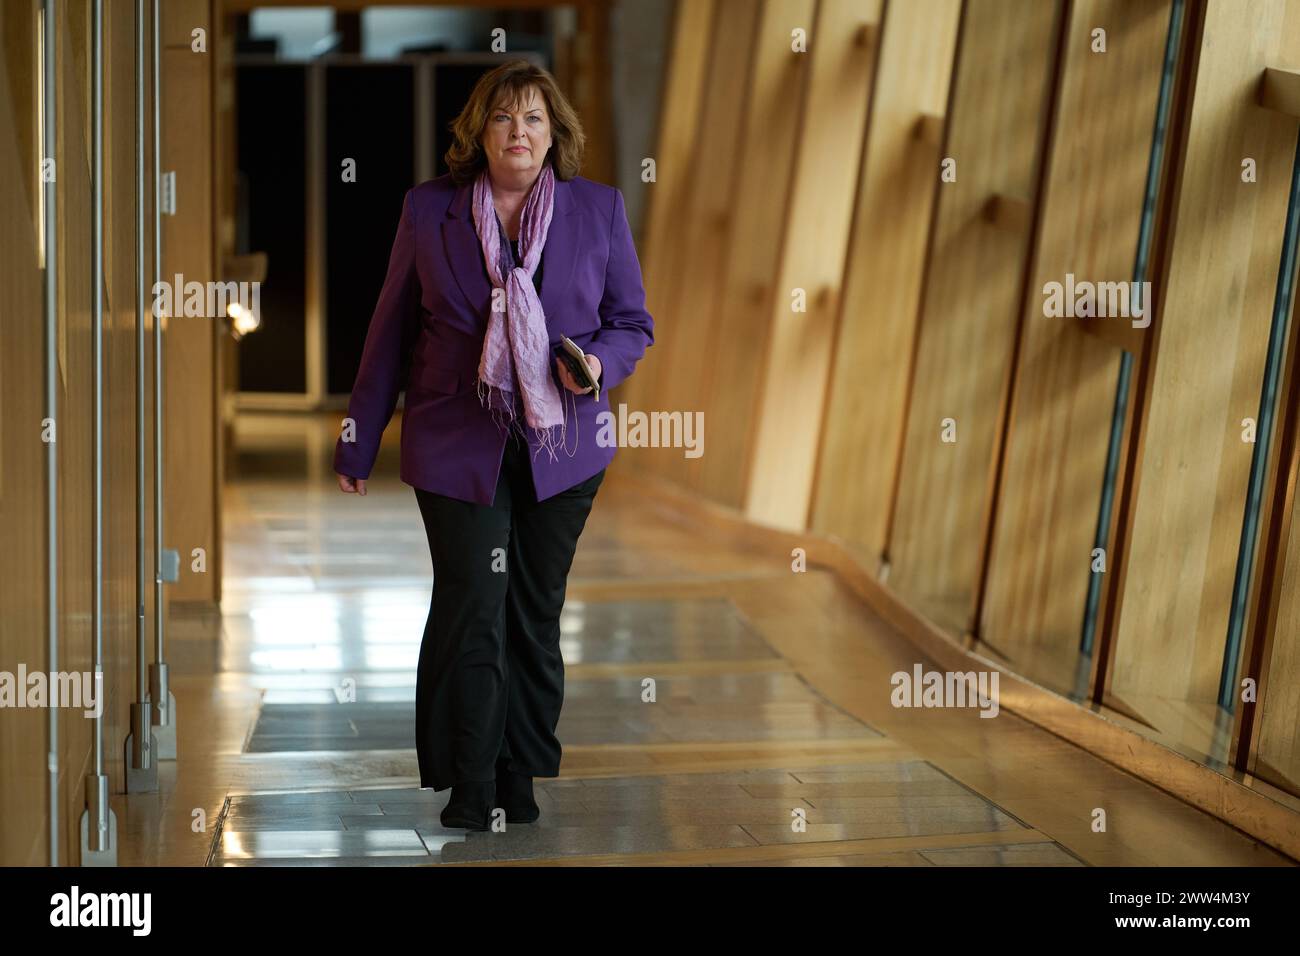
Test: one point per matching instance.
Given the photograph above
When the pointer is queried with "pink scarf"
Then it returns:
(517, 344)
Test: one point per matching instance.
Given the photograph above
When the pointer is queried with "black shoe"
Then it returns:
(470, 806)
(515, 796)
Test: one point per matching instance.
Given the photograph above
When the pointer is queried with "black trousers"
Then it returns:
(490, 679)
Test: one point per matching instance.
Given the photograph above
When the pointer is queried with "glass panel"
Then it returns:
(296, 34)
(1277, 337)
(272, 208)
(1277, 756)
(368, 110)
(388, 32)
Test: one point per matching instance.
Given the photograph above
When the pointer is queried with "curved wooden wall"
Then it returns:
(925, 306)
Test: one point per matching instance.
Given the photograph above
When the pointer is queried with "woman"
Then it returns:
(491, 265)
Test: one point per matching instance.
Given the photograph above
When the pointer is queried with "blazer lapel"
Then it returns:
(465, 253)
(559, 255)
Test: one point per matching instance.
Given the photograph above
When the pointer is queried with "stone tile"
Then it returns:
(304, 844)
(680, 630)
(535, 843)
(286, 801)
(821, 832)
(763, 706)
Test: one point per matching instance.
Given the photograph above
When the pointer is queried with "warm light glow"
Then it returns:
(244, 319)
(294, 659)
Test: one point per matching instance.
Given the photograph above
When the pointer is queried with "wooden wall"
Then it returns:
(190, 399)
(692, 38)
(1187, 522)
(192, 355)
(1065, 381)
(882, 279)
(971, 301)
(742, 240)
(926, 306)
(735, 348)
(22, 455)
(700, 239)
(801, 324)
(23, 735)
(1278, 722)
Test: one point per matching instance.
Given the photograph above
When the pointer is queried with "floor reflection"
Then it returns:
(325, 597)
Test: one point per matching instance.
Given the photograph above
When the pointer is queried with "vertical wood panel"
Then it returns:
(23, 785)
(688, 61)
(705, 224)
(191, 411)
(1066, 380)
(74, 435)
(882, 282)
(1277, 715)
(1209, 365)
(796, 366)
(731, 379)
(971, 302)
(22, 454)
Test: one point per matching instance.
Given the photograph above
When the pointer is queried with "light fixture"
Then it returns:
(250, 269)
(242, 320)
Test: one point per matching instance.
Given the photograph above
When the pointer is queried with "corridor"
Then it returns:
(919, 539)
(770, 740)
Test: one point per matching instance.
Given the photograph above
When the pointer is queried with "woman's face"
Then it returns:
(515, 142)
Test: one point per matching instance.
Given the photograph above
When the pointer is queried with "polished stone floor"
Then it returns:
(689, 707)
(771, 740)
(637, 815)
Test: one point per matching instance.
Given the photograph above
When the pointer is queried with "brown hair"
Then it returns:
(507, 85)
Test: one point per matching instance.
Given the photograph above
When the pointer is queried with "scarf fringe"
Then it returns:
(548, 438)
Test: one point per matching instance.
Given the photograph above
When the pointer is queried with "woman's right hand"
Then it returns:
(353, 486)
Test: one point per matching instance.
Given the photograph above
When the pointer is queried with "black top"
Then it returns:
(537, 276)
(512, 245)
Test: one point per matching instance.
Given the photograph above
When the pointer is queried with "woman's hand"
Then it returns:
(353, 486)
(567, 377)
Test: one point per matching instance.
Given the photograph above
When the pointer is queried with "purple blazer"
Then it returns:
(426, 336)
